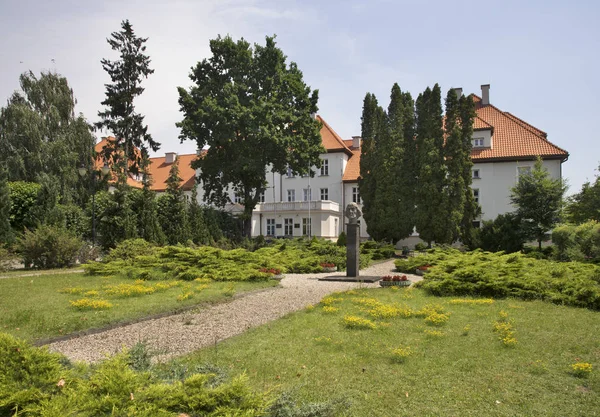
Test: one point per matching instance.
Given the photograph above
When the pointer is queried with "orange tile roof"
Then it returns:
(331, 140)
(512, 137)
(352, 171)
(159, 170)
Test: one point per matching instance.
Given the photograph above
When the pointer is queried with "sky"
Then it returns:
(541, 58)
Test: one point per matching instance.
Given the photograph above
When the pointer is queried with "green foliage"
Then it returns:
(23, 197)
(342, 240)
(585, 205)
(538, 199)
(132, 139)
(145, 206)
(577, 242)
(5, 206)
(431, 198)
(116, 220)
(173, 214)
(42, 136)
(512, 275)
(35, 382)
(253, 110)
(198, 230)
(138, 260)
(504, 233)
(49, 247)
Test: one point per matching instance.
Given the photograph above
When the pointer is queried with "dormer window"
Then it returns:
(478, 143)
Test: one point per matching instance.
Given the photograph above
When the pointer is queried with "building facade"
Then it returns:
(504, 147)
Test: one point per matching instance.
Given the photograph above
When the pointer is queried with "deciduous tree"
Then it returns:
(253, 110)
(585, 205)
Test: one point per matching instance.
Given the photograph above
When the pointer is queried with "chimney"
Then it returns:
(170, 157)
(485, 94)
(356, 142)
(458, 92)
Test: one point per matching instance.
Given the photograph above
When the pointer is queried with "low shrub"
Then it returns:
(577, 242)
(35, 382)
(49, 247)
(499, 275)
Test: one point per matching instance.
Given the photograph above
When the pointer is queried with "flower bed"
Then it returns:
(395, 280)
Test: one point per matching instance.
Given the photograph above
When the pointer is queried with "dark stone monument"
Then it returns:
(353, 240)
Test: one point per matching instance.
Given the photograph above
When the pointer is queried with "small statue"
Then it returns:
(353, 212)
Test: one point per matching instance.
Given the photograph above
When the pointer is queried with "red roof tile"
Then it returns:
(352, 171)
(331, 140)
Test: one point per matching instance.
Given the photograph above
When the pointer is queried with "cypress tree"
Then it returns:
(148, 224)
(471, 207)
(367, 183)
(431, 170)
(5, 203)
(455, 181)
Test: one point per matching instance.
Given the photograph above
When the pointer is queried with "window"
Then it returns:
(306, 194)
(325, 167)
(270, 227)
(324, 194)
(476, 173)
(288, 227)
(261, 197)
(478, 142)
(306, 227)
(237, 199)
(355, 195)
(335, 226)
(476, 224)
(523, 171)
(476, 194)
(290, 174)
(291, 195)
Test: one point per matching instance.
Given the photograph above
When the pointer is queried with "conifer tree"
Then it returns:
(198, 229)
(367, 182)
(173, 213)
(5, 229)
(471, 208)
(132, 139)
(431, 170)
(148, 225)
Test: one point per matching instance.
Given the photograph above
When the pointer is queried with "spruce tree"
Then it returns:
(132, 139)
(430, 197)
(5, 229)
(468, 234)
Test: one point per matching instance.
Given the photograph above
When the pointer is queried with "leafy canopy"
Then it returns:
(253, 111)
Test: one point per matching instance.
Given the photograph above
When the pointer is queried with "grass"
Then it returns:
(40, 307)
(411, 366)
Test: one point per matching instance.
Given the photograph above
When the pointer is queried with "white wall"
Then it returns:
(496, 180)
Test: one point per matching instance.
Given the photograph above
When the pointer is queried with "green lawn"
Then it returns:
(462, 372)
(34, 308)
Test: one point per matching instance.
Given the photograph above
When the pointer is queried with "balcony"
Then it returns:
(326, 205)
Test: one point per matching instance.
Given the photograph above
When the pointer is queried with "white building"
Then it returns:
(503, 147)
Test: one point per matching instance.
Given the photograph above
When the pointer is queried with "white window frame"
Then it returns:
(523, 170)
(291, 195)
(261, 197)
(476, 174)
(288, 226)
(237, 199)
(355, 195)
(478, 142)
(306, 194)
(324, 194)
(306, 226)
(325, 167)
(476, 195)
(270, 227)
(290, 174)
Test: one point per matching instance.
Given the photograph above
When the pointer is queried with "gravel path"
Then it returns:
(183, 333)
(39, 274)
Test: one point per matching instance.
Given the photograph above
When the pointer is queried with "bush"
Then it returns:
(342, 239)
(505, 233)
(130, 249)
(421, 246)
(23, 198)
(35, 382)
(49, 247)
(501, 275)
(6, 259)
(577, 243)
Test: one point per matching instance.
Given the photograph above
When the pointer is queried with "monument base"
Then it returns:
(342, 278)
(352, 250)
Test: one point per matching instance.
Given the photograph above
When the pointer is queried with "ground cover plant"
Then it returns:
(46, 306)
(138, 259)
(396, 351)
(487, 274)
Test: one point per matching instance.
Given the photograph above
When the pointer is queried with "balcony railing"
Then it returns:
(298, 206)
